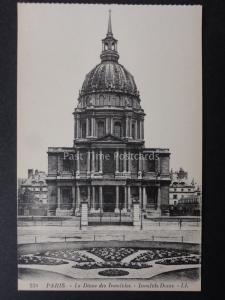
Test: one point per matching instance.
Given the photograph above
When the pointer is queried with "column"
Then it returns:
(78, 126)
(107, 125)
(158, 165)
(127, 127)
(100, 197)
(129, 161)
(140, 196)
(125, 161)
(125, 198)
(92, 126)
(136, 128)
(100, 163)
(117, 199)
(75, 127)
(159, 198)
(140, 161)
(93, 198)
(117, 160)
(87, 127)
(140, 128)
(88, 161)
(78, 198)
(74, 197)
(78, 162)
(129, 197)
(111, 125)
(89, 195)
(58, 197)
(58, 161)
(139, 165)
(144, 198)
(93, 162)
(130, 127)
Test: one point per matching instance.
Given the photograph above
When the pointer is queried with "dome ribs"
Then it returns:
(109, 76)
(101, 81)
(117, 78)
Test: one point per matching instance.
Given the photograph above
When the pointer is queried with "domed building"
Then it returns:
(108, 174)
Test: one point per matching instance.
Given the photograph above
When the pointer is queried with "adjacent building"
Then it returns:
(32, 194)
(185, 195)
(108, 165)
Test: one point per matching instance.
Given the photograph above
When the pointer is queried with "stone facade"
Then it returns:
(32, 194)
(108, 166)
(181, 187)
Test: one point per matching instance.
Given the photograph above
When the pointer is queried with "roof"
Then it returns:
(109, 76)
(36, 180)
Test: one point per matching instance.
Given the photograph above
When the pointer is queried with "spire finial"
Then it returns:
(109, 25)
(109, 44)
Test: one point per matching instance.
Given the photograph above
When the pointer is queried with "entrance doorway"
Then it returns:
(109, 198)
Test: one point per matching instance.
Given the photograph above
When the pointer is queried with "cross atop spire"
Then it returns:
(109, 33)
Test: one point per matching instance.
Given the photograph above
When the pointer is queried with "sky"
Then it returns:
(58, 44)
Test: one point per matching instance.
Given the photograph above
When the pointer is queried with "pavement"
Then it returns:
(170, 232)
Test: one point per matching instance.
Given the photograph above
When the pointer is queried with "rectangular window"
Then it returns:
(66, 165)
(151, 165)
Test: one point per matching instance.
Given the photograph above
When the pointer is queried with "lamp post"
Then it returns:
(100, 214)
(141, 212)
(80, 217)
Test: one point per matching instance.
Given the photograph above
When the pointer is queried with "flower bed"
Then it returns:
(36, 260)
(111, 264)
(68, 254)
(154, 254)
(112, 254)
(180, 260)
(113, 272)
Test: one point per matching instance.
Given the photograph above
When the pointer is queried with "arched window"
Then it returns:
(101, 128)
(106, 46)
(117, 129)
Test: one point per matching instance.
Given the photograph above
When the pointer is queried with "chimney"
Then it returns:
(36, 172)
(30, 172)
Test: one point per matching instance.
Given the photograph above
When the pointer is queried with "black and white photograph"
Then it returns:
(109, 155)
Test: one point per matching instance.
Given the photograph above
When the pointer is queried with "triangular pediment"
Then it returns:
(109, 138)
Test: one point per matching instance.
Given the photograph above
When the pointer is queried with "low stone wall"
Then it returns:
(42, 247)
